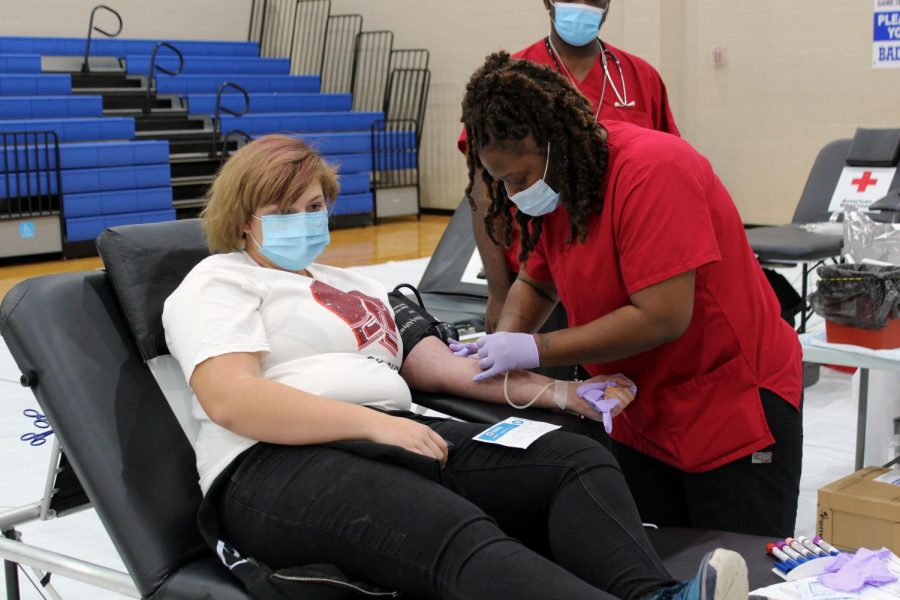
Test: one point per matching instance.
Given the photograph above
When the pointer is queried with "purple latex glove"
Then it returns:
(462, 349)
(504, 351)
(595, 395)
(849, 573)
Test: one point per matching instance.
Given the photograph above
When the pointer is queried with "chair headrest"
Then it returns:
(875, 148)
(146, 263)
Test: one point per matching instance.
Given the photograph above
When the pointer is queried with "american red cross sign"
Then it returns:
(861, 186)
(862, 183)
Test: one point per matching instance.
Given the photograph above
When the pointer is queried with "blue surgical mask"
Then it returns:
(539, 199)
(577, 24)
(292, 242)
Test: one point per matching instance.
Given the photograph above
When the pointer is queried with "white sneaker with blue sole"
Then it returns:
(722, 575)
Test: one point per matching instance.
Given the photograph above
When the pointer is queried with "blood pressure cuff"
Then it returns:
(413, 321)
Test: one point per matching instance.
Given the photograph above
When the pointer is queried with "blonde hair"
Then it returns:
(274, 169)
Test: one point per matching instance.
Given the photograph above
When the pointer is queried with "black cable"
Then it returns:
(414, 291)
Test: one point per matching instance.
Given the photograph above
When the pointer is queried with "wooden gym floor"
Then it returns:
(400, 238)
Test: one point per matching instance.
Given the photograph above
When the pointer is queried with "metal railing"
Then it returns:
(240, 134)
(151, 75)
(407, 97)
(340, 41)
(294, 29)
(30, 174)
(410, 58)
(371, 65)
(86, 66)
(395, 153)
(221, 108)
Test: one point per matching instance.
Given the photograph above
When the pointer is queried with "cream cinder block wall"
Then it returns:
(798, 75)
(171, 19)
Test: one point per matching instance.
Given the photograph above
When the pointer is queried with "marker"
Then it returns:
(791, 552)
(798, 547)
(812, 547)
(825, 546)
(784, 558)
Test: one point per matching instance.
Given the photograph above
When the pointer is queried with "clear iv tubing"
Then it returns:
(559, 393)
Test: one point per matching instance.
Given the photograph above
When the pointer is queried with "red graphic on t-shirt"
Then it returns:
(368, 317)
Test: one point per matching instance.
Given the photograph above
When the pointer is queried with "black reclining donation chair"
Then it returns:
(792, 243)
(83, 342)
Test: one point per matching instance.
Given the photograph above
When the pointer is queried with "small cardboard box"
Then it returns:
(859, 511)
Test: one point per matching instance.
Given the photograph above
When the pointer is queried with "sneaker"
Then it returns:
(722, 576)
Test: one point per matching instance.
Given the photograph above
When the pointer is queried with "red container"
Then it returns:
(877, 339)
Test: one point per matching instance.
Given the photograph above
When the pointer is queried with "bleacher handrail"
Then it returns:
(240, 134)
(86, 67)
(151, 74)
(217, 117)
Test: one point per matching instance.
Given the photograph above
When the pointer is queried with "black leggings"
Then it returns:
(756, 494)
(553, 521)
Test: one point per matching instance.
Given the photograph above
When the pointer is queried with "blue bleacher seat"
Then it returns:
(312, 122)
(71, 130)
(202, 65)
(352, 204)
(88, 228)
(119, 201)
(86, 155)
(350, 163)
(184, 85)
(355, 142)
(205, 104)
(14, 84)
(355, 183)
(20, 63)
(116, 178)
(50, 107)
(120, 48)
(77, 130)
(75, 181)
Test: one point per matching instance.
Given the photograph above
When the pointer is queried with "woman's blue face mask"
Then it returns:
(577, 24)
(292, 242)
(539, 199)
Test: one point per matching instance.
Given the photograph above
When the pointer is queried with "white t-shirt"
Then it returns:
(333, 335)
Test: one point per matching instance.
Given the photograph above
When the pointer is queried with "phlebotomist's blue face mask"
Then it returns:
(539, 199)
(292, 242)
(577, 24)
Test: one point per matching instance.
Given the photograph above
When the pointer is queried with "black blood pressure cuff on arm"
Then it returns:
(413, 321)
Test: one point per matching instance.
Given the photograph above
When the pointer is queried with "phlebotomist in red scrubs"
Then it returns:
(633, 231)
(619, 85)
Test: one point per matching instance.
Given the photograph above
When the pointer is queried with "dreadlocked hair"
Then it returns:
(506, 101)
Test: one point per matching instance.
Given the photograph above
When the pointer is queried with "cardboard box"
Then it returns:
(858, 511)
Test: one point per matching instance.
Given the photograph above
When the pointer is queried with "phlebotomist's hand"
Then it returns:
(504, 351)
(608, 396)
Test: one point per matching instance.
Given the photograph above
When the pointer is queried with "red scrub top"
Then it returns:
(643, 84)
(666, 212)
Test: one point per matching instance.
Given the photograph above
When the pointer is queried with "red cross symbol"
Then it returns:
(862, 183)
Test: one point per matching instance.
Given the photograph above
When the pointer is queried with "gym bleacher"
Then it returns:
(136, 133)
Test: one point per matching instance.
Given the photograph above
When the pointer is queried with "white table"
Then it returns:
(816, 350)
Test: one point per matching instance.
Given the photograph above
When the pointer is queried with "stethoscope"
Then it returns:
(621, 98)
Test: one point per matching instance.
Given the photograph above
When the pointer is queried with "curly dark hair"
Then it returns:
(506, 101)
